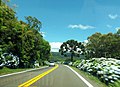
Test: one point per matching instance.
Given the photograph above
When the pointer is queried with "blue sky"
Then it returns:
(71, 19)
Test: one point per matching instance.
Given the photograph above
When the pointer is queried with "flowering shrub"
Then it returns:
(106, 69)
(76, 63)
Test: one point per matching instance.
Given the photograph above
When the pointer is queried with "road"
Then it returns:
(15, 80)
(60, 77)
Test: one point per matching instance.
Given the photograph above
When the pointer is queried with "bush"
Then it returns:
(76, 63)
(106, 69)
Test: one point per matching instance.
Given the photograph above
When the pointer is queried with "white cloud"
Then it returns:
(15, 6)
(109, 26)
(112, 16)
(43, 34)
(86, 41)
(117, 28)
(80, 26)
(55, 46)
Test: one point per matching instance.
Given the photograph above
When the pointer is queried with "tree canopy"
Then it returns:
(73, 47)
(22, 39)
(104, 45)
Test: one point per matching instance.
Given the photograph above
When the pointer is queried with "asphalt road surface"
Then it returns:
(60, 77)
(15, 80)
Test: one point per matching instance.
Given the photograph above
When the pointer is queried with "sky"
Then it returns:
(63, 20)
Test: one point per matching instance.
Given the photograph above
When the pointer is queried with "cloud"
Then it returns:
(55, 46)
(86, 41)
(80, 26)
(15, 6)
(109, 26)
(112, 16)
(117, 28)
(43, 34)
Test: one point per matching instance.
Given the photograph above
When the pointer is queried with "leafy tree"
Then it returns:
(46, 50)
(118, 32)
(34, 47)
(92, 45)
(73, 47)
(22, 39)
(8, 22)
(103, 45)
(33, 23)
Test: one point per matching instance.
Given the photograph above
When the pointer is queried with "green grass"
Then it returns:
(8, 71)
(92, 79)
(115, 84)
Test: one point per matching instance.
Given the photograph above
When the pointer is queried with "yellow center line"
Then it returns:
(33, 80)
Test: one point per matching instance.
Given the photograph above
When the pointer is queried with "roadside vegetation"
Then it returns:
(23, 46)
(107, 70)
(100, 56)
(72, 48)
(21, 43)
(92, 79)
(6, 70)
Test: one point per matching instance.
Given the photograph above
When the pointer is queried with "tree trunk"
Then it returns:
(71, 57)
(21, 65)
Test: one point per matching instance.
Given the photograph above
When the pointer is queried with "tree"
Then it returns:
(33, 23)
(93, 44)
(103, 45)
(73, 47)
(118, 32)
(21, 39)
(8, 24)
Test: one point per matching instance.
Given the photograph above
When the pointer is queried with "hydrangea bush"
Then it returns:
(106, 69)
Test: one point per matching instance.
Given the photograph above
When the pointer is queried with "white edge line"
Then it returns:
(85, 81)
(22, 72)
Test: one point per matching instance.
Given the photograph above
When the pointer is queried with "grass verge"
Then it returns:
(94, 80)
(115, 84)
(6, 70)
(90, 78)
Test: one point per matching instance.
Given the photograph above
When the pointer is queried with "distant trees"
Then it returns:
(21, 39)
(99, 45)
(104, 45)
(118, 32)
(72, 47)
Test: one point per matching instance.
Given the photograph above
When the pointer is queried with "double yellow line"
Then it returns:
(33, 80)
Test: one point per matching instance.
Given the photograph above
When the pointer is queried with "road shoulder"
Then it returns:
(84, 80)
(93, 80)
(23, 71)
